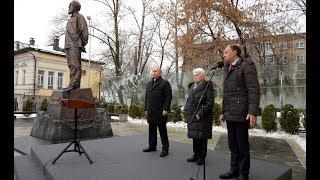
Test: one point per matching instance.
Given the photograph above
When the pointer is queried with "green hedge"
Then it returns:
(268, 118)
(289, 120)
(175, 114)
(217, 111)
(27, 106)
(43, 105)
(136, 110)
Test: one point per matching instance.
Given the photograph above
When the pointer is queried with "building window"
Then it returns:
(269, 59)
(299, 44)
(283, 45)
(24, 77)
(283, 60)
(300, 75)
(266, 46)
(60, 80)
(50, 79)
(299, 59)
(17, 77)
(40, 79)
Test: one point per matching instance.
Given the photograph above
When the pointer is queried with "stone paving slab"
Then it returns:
(22, 127)
(271, 150)
(26, 168)
(122, 158)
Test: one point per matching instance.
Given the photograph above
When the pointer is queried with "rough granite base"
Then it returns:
(46, 127)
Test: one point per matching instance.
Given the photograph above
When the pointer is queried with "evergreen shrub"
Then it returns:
(289, 120)
(269, 118)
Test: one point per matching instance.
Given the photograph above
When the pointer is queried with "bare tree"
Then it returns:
(145, 35)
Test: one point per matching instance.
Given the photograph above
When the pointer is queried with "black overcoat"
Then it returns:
(158, 98)
(195, 127)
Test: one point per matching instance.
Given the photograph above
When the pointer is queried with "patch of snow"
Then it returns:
(301, 141)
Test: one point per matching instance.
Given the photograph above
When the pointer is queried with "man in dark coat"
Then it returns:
(76, 38)
(241, 98)
(157, 105)
(199, 122)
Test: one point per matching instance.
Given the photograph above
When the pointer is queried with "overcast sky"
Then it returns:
(33, 18)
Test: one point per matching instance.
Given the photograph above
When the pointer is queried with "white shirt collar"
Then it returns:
(234, 62)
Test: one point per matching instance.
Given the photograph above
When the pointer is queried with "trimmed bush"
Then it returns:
(141, 110)
(100, 104)
(268, 118)
(289, 120)
(27, 106)
(175, 114)
(117, 108)
(111, 107)
(124, 109)
(43, 105)
(136, 110)
(217, 111)
(121, 108)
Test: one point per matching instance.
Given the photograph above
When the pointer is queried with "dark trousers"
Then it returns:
(163, 134)
(199, 150)
(238, 139)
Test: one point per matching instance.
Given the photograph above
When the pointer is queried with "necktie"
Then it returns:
(230, 66)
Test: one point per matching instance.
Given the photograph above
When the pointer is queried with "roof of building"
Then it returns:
(27, 47)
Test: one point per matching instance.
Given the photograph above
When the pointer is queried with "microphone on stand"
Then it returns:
(219, 64)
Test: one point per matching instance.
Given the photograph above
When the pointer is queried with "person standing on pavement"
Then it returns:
(241, 98)
(202, 121)
(158, 99)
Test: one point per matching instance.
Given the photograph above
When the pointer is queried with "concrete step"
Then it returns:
(27, 168)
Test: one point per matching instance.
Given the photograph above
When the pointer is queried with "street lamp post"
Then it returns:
(89, 19)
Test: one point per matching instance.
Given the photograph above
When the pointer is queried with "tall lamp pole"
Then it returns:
(89, 19)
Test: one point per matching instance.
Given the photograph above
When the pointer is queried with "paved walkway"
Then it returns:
(280, 151)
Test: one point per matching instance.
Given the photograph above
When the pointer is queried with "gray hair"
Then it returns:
(199, 71)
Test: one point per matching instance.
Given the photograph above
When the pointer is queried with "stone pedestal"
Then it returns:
(57, 123)
(85, 115)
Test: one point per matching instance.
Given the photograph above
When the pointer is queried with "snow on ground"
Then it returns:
(252, 132)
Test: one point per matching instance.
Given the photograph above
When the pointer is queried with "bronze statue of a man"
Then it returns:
(76, 38)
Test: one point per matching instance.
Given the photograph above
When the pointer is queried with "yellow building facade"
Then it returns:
(38, 72)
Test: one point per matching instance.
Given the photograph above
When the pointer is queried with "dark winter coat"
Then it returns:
(158, 98)
(195, 127)
(241, 91)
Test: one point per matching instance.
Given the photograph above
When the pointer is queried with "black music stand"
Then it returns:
(74, 103)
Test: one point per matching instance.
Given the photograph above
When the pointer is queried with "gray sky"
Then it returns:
(32, 18)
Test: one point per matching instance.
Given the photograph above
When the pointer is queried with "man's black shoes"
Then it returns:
(192, 159)
(149, 149)
(229, 175)
(164, 153)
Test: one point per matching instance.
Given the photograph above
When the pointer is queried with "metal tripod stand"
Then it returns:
(77, 146)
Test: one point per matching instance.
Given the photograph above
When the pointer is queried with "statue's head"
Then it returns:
(74, 6)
